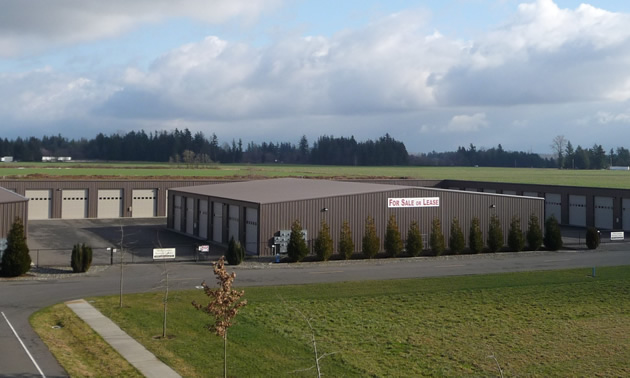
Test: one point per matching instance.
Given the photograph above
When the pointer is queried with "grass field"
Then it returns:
(589, 178)
(561, 323)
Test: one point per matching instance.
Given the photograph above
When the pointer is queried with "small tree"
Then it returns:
(534, 233)
(436, 240)
(235, 252)
(371, 242)
(516, 241)
(16, 259)
(592, 238)
(81, 258)
(475, 238)
(393, 242)
(495, 234)
(346, 245)
(323, 243)
(456, 241)
(297, 248)
(224, 305)
(553, 236)
(413, 245)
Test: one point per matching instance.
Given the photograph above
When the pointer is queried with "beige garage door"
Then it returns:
(74, 203)
(39, 204)
(144, 203)
(109, 203)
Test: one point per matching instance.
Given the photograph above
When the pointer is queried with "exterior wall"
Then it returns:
(9, 211)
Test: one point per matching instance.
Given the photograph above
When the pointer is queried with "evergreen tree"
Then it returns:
(516, 241)
(436, 240)
(553, 236)
(393, 241)
(16, 259)
(413, 245)
(456, 241)
(592, 238)
(534, 233)
(371, 242)
(495, 234)
(346, 245)
(81, 258)
(235, 252)
(323, 243)
(297, 248)
(475, 238)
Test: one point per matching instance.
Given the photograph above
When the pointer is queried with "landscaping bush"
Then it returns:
(371, 242)
(323, 243)
(393, 242)
(516, 241)
(81, 258)
(592, 238)
(553, 236)
(534, 233)
(16, 259)
(413, 245)
(235, 252)
(495, 234)
(297, 249)
(456, 241)
(346, 245)
(475, 238)
(436, 240)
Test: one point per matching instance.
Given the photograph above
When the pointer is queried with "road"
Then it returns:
(19, 299)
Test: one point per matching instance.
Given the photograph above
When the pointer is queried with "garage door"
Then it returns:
(577, 210)
(177, 213)
(203, 219)
(604, 213)
(217, 222)
(39, 204)
(626, 214)
(143, 203)
(74, 203)
(553, 206)
(234, 222)
(109, 203)
(190, 216)
(251, 230)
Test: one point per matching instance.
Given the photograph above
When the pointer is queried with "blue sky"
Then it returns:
(433, 74)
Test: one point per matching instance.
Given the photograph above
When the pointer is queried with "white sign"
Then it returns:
(414, 202)
(163, 253)
(204, 248)
(616, 235)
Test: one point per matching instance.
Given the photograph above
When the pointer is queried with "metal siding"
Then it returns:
(251, 230)
(9, 212)
(625, 214)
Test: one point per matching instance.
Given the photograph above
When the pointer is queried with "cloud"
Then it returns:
(608, 117)
(467, 123)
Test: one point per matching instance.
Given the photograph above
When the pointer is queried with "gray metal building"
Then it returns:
(255, 212)
(12, 206)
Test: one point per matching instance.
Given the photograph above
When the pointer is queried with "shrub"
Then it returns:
(16, 259)
(592, 238)
(516, 241)
(81, 258)
(553, 236)
(323, 243)
(235, 252)
(393, 242)
(346, 245)
(534, 233)
(436, 240)
(495, 234)
(297, 248)
(371, 242)
(456, 241)
(475, 238)
(413, 245)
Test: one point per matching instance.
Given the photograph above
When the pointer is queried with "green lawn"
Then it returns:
(590, 178)
(561, 323)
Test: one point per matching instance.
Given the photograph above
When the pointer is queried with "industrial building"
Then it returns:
(12, 206)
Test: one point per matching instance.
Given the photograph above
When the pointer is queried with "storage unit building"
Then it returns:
(12, 206)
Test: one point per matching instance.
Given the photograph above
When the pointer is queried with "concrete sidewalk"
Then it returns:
(130, 349)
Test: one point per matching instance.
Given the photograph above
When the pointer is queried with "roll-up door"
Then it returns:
(39, 204)
(109, 203)
(251, 230)
(577, 210)
(625, 214)
(143, 203)
(553, 206)
(203, 219)
(74, 203)
(234, 222)
(217, 222)
(604, 213)
(190, 216)
(177, 213)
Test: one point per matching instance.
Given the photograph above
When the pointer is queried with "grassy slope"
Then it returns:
(541, 323)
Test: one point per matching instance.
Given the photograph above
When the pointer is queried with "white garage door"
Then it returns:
(74, 203)
(577, 210)
(109, 203)
(217, 222)
(553, 206)
(625, 211)
(177, 213)
(143, 203)
(251, 230)
(234, 222)
(190, 216)
(39, 204)
(604, 213)
(203, 219)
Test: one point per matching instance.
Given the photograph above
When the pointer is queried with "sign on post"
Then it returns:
(163, 253)
(204, 248)
(617, 235)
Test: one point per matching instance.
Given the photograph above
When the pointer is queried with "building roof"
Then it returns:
(286, 189)
(7, 196)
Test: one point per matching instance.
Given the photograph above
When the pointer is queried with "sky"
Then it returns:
(434, 74)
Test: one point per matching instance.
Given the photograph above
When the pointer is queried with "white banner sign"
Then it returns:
(414, 202)
(617, 235)
(163, 253)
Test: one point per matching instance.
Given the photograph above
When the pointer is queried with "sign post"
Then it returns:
(163, 253)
